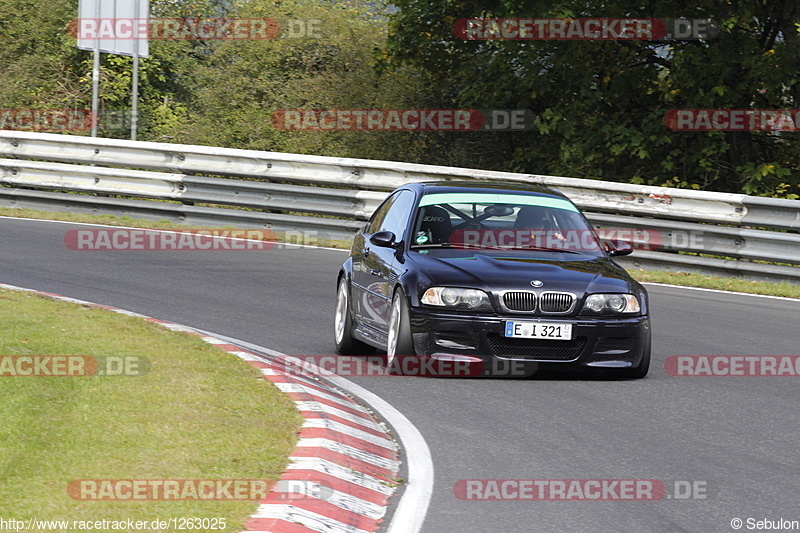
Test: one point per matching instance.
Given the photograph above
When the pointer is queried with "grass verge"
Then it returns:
(197, 413)
(129, 222)
(655, 276)
(787, 290)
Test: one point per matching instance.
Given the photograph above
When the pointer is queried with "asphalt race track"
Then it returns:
(734, 437)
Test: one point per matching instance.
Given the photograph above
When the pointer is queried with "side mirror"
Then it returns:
(384, 239)
(617, 248)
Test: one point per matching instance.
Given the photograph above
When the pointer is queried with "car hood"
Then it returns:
(490, 271)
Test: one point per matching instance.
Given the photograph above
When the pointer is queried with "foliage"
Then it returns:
(601, 104)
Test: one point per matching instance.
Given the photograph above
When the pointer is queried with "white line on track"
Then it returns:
(413, 506)
(343, 250)
(188, 228)
(721, 291)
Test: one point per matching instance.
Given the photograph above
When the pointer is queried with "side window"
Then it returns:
(380, 215)
(396, 219)
(392, 215)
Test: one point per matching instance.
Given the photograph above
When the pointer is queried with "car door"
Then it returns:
(372, 265)
(364, 281)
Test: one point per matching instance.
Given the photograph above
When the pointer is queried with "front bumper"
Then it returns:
(605, 342)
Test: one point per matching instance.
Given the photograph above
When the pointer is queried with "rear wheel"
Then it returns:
(400, 341)
(343, 324)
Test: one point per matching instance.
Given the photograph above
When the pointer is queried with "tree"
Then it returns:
(41, 67)
(325, 57)
(601, 103)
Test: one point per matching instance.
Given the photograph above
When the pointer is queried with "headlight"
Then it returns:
(611, 304)
(456, 298)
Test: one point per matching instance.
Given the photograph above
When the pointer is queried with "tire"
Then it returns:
(400, 341)
(343, 324)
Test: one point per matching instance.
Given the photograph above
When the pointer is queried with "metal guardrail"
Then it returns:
(331, 196)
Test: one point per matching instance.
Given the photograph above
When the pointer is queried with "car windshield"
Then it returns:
(501, 221)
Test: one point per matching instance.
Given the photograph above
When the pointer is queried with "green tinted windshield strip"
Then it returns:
(483, 198)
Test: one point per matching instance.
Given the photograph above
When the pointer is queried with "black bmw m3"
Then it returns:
(490, 273)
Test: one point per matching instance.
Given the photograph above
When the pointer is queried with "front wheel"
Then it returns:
(400, 341)
(343, 324)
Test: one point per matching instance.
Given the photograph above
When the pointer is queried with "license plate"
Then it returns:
(539, 330)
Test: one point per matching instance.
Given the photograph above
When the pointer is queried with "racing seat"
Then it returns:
(435, 225)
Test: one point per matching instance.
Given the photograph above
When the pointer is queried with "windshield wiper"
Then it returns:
(545, 249)
(479, 248)
(526, 248)
(431, 245)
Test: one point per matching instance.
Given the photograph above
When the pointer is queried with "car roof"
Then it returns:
(491, 187)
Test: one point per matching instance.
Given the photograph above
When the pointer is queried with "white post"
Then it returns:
(96, 72)
(135, 79)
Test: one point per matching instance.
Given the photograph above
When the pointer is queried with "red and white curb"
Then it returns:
(343, 470)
